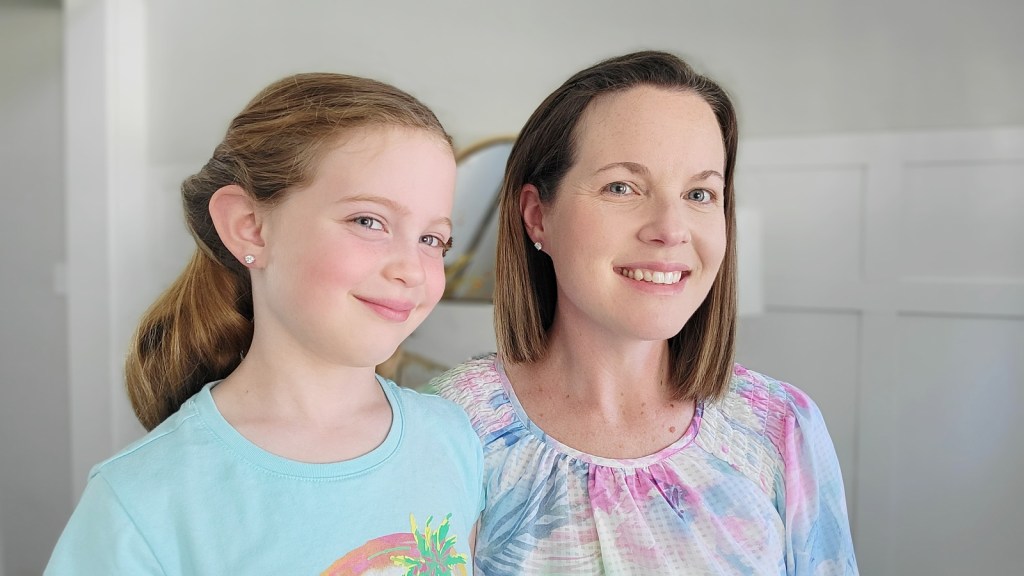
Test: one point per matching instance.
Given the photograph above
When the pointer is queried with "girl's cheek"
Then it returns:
(436, 280)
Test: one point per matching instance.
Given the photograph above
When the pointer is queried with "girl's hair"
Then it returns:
(200, 328)
(525, 293)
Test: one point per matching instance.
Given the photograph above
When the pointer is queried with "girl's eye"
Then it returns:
(369, 222)
(619, 189)
(700, 195)
(436, 242)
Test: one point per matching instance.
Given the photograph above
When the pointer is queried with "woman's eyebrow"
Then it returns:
(633, 167)
(641, 170)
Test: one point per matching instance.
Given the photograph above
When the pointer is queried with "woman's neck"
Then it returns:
(602, 396)
(597, 368)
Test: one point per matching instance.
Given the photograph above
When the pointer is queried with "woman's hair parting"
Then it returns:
(525, 290)
(201, 327)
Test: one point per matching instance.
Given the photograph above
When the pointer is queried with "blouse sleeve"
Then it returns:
(101, 539)
(818, 536)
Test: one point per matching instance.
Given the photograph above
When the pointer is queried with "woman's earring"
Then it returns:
(538, 245)
(249, 259)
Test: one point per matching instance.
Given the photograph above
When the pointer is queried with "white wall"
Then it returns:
(895, 296)
(34, 440)
(795, 68)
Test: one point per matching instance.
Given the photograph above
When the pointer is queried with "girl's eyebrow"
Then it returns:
(390, 203)
(382, 200)
(641, 170)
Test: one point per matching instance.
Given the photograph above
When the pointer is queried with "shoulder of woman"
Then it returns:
(757, 423)
(476, 386)
(469, 382)
(778, 408)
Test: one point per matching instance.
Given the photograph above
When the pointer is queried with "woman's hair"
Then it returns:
(525, 290)
(200, 328)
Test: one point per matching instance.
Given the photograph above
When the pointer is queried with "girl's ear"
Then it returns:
(238, 223)
(531, 209)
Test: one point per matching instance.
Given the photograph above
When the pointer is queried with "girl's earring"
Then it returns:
(538, 245)
(249, 259)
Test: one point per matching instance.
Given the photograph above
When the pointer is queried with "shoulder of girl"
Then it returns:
(430, 403)
(156, 449)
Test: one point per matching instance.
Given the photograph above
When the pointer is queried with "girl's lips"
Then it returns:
(391, 310)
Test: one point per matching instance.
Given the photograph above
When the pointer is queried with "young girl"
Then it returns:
(320, 224)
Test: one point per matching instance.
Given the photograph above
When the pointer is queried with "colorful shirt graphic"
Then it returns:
(752, 487)
(430, 553)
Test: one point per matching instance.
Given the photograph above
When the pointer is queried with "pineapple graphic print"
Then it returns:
(427, 553)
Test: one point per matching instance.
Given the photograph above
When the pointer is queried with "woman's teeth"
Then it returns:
(652, 276)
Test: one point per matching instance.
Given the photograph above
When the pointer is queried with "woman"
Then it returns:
(619, 437)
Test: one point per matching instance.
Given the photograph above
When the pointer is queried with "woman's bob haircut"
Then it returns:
(525, 294)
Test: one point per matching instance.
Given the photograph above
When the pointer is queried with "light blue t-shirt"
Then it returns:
(195, 497)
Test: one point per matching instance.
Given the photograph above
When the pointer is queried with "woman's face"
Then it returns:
(637, 229)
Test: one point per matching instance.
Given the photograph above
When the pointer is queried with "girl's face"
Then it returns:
(353, 261)
(637, 229)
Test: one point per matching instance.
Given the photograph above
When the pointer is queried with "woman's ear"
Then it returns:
(238, 223)
(531, 209)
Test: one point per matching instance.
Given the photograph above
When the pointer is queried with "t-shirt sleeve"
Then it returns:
(471, 447)
(818, 535)
(101, 538)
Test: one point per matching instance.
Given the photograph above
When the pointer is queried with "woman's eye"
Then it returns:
(619, 188)
(701, 195)
(369, 222)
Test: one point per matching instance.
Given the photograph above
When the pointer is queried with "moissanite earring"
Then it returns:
(538, 245)
(249, 259)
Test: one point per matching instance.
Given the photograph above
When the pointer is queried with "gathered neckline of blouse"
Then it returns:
(675, 447)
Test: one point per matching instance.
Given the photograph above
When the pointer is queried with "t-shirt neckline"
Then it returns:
(234, 442)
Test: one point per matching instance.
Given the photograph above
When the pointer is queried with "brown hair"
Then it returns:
(198, 330)
(702, 352)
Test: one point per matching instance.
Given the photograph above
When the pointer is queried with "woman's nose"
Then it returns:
(667, 223)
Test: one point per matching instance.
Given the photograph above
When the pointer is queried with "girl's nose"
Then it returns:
(405, 265)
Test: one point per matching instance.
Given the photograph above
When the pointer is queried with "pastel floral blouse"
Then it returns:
(752, 487)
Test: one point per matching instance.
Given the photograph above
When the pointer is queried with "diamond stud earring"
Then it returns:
(249, 259)
(538, 245)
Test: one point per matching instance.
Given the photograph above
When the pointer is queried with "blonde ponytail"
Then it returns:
(196, 332)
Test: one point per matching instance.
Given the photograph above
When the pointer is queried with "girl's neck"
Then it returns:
(272, 389)
(302, 408)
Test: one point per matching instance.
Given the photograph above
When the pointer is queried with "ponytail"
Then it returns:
(196, 332)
